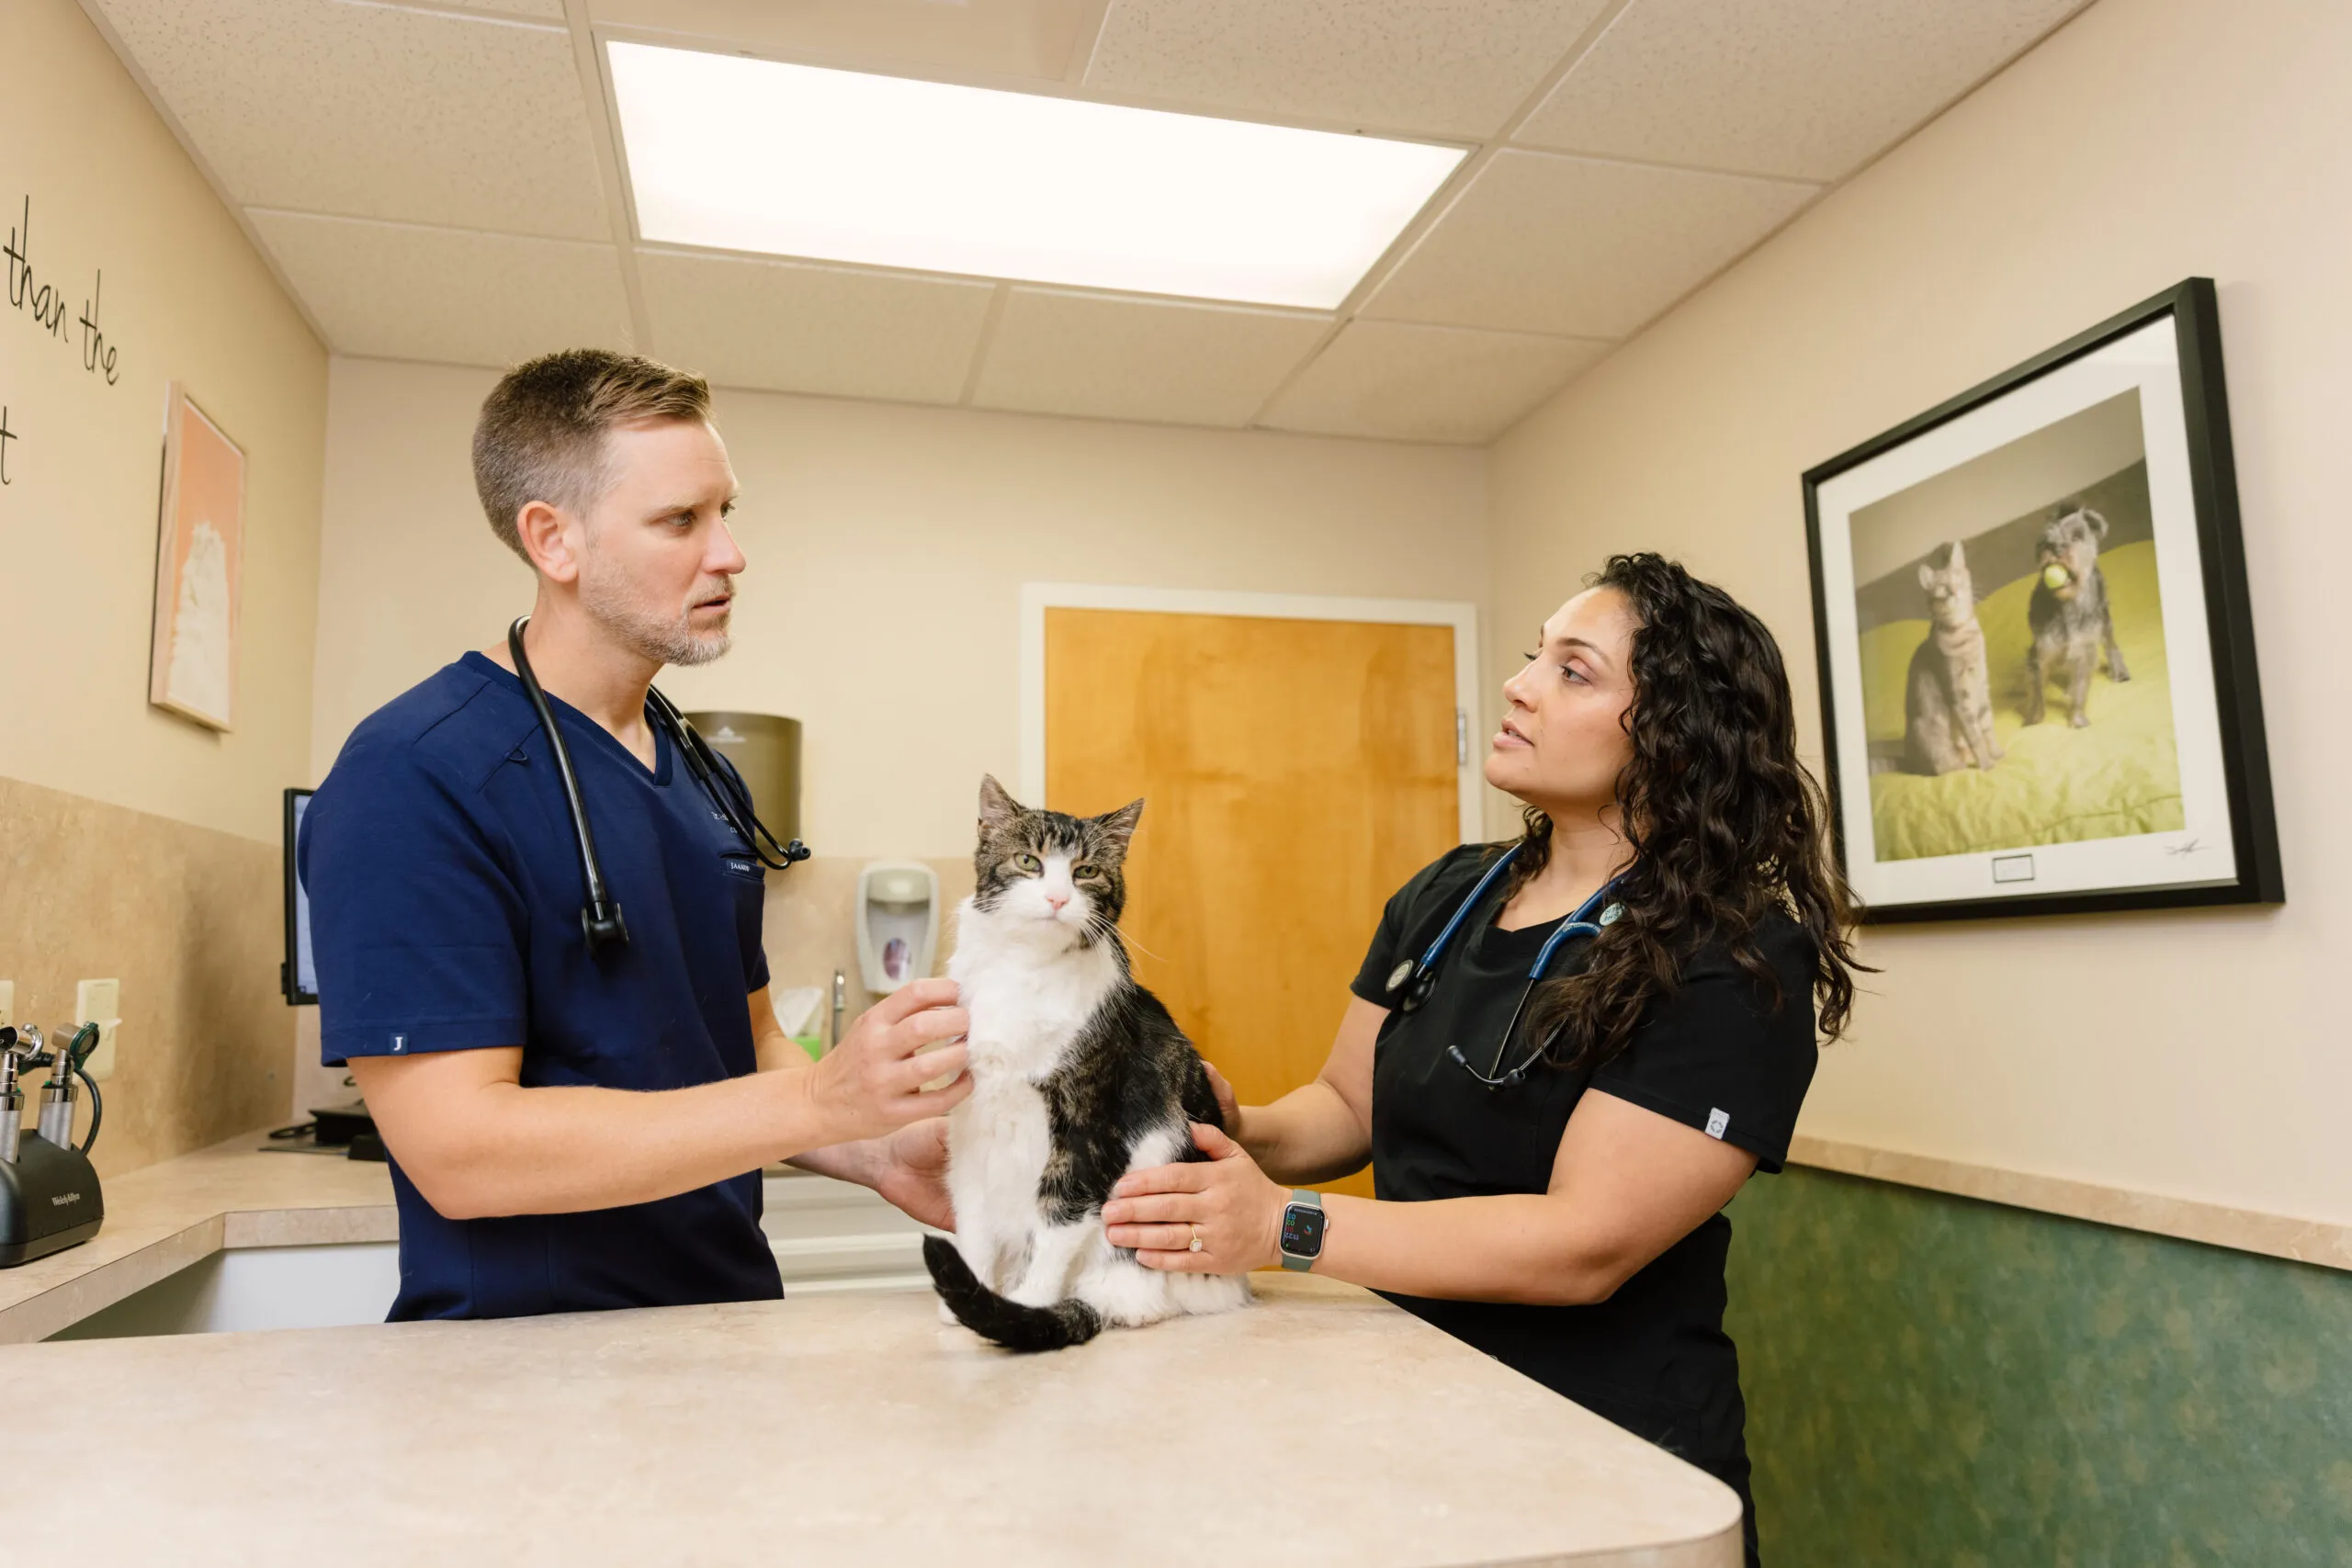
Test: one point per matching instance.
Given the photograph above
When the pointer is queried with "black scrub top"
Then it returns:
(1654, 1357)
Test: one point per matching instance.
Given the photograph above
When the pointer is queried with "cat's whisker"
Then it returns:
(1110, 929)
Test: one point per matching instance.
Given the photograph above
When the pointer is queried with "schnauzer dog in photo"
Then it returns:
(2071, 621)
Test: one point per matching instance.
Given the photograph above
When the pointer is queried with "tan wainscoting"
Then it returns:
(2276, 1235)
(191, 920)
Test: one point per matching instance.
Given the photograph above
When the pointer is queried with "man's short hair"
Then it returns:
(541, 435)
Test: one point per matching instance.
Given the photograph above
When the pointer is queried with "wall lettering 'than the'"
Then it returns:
(35, 302)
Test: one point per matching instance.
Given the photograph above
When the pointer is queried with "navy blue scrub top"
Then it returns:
(444, 907)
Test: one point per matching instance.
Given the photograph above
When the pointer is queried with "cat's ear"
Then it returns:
(1927, 576)
(2098, 524)
(1958, 561)
(998, 809)
(1116, 829)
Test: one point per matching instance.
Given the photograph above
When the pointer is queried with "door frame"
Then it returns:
(1036, 598)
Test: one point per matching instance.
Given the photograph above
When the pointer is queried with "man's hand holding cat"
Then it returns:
(1234, 1208)
(911, 1172)
(870, 1084)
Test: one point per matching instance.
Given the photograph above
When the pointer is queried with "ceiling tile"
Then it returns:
(1400, 381)
(798, 327)
(1446, 67)
(1804, 88)
(374, 111)
(401, 292)
(550, 9)
(1021, 37)
(1121, 358)
(1541, 242)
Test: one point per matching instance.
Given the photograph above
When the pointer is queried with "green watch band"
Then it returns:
(1304, 1226)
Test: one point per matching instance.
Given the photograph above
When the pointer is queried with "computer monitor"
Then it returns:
(296, 976)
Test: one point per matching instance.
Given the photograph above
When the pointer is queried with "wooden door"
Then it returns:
(1295, 774)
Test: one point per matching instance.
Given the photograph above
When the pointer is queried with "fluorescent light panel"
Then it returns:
(791, 159)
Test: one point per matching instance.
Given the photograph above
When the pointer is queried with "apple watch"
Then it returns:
(1304, 1223)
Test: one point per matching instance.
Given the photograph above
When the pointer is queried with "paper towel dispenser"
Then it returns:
(766, 749)
(898, 923)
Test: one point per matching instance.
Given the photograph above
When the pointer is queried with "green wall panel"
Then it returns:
(1933, 1381)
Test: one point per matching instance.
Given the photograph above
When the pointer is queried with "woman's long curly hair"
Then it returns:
(1724, 823)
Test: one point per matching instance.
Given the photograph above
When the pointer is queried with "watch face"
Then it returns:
(1303, 1231)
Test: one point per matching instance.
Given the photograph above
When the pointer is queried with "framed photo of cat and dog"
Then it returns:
(2038, 679)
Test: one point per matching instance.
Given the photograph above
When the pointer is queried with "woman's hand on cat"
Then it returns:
(1228, 1107)
(1234, 1208)
(871, 1084)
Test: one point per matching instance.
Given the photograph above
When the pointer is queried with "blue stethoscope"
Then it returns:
(1412, 981)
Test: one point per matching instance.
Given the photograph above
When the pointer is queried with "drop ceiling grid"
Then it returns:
(1802, 89)
(369, 111)
(814, 327)
(1455, 68)
(1403, 380)
(460, 296)
(1580, 247)
(475, 125)
(1076, 352)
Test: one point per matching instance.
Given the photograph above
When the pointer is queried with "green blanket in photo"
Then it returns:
(2055, 785)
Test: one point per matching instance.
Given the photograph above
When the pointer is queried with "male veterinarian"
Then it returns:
(577, 1117)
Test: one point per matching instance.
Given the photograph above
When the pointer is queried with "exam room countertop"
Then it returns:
(161, 1219)
(1321, 1424)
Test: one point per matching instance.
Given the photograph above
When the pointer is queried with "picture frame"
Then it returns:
(2036, 645)
(199, 567)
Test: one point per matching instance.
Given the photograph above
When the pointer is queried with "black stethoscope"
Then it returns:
(600, 917)
(1412, 981)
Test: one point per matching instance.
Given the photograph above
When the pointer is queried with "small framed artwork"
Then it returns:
(2037, 657)
(199, 567)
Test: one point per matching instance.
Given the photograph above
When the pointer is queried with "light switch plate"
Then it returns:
(8, 1003)
(96, 999)
(100, 1065)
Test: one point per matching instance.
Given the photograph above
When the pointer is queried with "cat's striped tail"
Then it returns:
(1008, 1323)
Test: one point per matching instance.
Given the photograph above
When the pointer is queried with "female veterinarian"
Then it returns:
(1563, 1058)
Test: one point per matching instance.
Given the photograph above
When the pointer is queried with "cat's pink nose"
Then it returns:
(1056, 900)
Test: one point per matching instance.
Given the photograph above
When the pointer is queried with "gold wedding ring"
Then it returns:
(1197, 1238)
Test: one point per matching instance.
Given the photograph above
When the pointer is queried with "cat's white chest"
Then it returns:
(1026, 1006)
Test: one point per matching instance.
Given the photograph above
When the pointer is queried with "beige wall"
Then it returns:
(887, 544)
(2197, 1054)
(134, 844)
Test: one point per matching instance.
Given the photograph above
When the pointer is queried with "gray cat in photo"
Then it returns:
(1947, 698)
(2073, 622)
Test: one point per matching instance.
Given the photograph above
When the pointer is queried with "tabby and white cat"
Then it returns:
(1079, 1077)
(1948, 700)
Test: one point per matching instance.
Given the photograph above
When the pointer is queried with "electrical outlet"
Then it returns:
(99, 1002)
(96, 999)
(8, 1003)
(100, 1065)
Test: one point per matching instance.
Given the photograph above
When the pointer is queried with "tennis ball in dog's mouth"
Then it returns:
(2053, 577)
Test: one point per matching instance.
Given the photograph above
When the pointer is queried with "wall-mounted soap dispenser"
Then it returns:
(898, 923)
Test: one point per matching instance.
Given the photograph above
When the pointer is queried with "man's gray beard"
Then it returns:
(664, 642)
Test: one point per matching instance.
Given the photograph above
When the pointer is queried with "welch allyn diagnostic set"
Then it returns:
(49, 1192)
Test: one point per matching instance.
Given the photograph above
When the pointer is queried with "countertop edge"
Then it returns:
(1722, 1549)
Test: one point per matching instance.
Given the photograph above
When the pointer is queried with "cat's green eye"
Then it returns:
(1082, 871)
(1029, 863)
